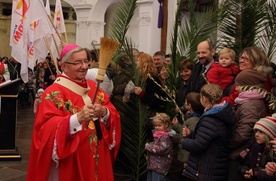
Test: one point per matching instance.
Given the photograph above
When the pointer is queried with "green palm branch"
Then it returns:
(134, 137)
(248, 23)
(189, 32)
(268, 39)
(120, 25)
(198, 27)
(170, 96)
(122, 20)
(174, 38)
(133, 114)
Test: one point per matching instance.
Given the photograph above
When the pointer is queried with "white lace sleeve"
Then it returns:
(129, 89)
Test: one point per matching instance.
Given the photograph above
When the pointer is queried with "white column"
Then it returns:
(172, 8)
(149, 34)
(88, 31)
(83, 24)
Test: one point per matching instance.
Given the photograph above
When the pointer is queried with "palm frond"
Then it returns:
(244, 24)
(188, 32)
(172, 79)
(198, 27)
(133, 113)
(134, 133)
(122, 20)
(134, 137)
(174, 39)
(267, 40)
(170, 96)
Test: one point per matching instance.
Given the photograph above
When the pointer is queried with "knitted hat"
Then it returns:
(250, 77)
(267, 125)
(40, 90)
(66, 49)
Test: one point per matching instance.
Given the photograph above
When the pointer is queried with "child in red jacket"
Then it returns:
(223, 73)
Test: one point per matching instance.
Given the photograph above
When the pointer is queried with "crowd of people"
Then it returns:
(40, 77)
(227, 133)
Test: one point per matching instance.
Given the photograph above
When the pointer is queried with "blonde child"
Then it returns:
(208, 144)
(37, 98)
(257, 156)
(223, 73)
(160, 151)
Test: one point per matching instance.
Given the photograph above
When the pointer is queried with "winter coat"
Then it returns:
(249, 111)
(208, 146)
(120, 81)
(251, 162)
(190, 123)
(196, 79)
(148, 95)
(160, 151)
(181, 92)
(267, 85)
(222, 76)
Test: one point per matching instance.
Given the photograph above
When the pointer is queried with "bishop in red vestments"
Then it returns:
(62, 149)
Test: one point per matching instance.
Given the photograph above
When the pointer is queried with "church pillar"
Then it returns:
(149, 34)
(88, 31)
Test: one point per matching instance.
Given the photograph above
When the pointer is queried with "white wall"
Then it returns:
(94, 18)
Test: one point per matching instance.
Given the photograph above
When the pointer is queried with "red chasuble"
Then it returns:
(82, 157)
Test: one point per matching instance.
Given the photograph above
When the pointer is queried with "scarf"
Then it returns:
(158, 134)
(248, 95)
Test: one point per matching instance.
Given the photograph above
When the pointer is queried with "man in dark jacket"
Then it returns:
(205, 54)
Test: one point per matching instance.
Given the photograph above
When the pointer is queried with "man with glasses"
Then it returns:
(62, 148)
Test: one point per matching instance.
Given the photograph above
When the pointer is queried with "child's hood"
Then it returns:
(223, 113)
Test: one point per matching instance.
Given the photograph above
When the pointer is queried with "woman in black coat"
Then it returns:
(149, 88)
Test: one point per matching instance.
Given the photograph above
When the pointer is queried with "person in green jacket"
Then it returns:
(194, 111)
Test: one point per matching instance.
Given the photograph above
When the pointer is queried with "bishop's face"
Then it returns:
(77, 66)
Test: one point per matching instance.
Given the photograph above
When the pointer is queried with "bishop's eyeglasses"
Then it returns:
(78, 62)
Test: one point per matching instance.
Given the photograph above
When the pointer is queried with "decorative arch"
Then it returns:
(90, 20)
(97, 9)
(100, 9)
(72, 2)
